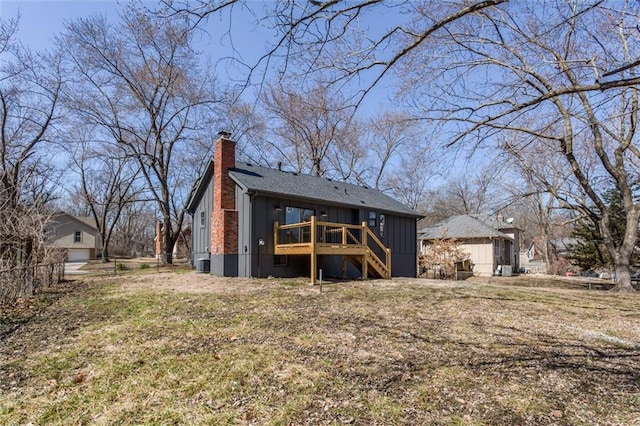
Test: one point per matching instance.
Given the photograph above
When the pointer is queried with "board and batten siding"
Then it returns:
(256, 216)
(399, 236)
(246, 246)
(201, 232)
(265, 213)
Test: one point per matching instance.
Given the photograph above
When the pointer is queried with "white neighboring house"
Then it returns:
(76, 234)
(490, 241)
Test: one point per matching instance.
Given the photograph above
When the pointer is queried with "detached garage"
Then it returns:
(76, 234)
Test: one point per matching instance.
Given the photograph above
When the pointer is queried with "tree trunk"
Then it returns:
(167, 243)
(623, 279)
(104, 254)
(544, 245)
(622, 255)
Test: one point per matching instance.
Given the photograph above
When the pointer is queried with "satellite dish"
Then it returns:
(509, 220)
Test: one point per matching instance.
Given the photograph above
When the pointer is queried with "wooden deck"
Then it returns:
(355, 243)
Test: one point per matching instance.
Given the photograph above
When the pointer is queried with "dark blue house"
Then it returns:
(253, 221)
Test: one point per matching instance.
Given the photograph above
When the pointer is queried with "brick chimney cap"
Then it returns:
(224, 134)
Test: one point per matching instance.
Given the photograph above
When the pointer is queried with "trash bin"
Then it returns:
(202, 265)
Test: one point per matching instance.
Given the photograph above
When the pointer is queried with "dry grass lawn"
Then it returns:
(183, 348)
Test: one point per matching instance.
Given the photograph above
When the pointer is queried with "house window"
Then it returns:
(77, 237)
(372, 219)
(381, 225)
(280, 260)
(496, 248)
(202, 219)
(298, 215)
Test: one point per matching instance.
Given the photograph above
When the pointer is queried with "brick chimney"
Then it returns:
(224, 216)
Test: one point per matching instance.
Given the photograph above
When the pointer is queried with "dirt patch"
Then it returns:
(202, 283)
(191, 282)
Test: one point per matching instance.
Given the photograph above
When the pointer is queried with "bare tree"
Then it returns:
(135, 230)
(348, 159)
(140, 81)
(107, 183)
(29, 95)
(334, 38)
(534, 71)
(410, 181)
(334, 44)
(539, 213)
(442, 255)
(22, 248)
(391, 134)
(307, 125)
(248, 127)
(468, 193)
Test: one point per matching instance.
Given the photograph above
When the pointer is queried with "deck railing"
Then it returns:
(318, 237)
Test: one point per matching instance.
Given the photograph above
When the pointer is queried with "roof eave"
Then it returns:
(204, 180)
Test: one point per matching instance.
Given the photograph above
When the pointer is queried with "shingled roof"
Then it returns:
(264, 180)
(87, 220)
(464, 227)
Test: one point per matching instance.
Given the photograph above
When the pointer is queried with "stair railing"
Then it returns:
(368, 235)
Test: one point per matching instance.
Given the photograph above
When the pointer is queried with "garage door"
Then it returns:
(74, 255)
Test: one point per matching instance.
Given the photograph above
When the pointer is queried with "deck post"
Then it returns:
(313, 250)
(275, 233)
(365, 257)
(364, 234)
(344, 267)
(388, 263)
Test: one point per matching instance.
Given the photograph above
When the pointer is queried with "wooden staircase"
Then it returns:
(355, 243)
(371, 267)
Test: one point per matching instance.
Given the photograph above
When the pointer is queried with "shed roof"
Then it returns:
(464, 227)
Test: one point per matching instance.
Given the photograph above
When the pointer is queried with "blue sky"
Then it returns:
(41, 20)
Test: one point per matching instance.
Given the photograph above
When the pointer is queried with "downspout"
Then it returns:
(191, 252)
(247, 250)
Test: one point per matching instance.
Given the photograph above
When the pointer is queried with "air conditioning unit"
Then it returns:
(507, 270)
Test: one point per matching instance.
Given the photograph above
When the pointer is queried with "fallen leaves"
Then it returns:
(376, 352)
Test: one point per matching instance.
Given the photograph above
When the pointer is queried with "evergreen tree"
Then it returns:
(588, 251)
